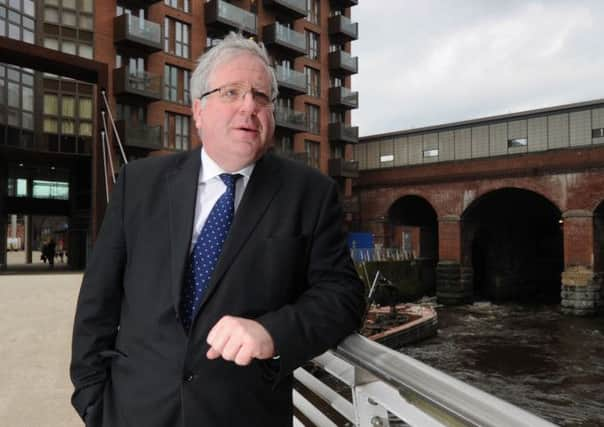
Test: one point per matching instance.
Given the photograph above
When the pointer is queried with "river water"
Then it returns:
(532, 356)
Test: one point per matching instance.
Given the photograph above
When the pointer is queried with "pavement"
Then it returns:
(36, 318)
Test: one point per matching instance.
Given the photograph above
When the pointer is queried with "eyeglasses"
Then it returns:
(232, 92)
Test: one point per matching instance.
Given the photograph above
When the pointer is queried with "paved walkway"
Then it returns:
(36, 317)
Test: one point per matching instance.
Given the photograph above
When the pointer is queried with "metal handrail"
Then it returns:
(386, 381)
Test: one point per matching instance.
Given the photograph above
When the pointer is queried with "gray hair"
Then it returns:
(232, 45)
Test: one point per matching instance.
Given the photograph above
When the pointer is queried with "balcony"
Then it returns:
(291, 119)
(290, 81)
(287, 9)
(140, 34)
(341, 4)
(136, 87)
(342, 29)
(145, 137)
(342, 168)
(339, 132)
(342, 64)
(281, 38)
(342, 98)
(222, 17)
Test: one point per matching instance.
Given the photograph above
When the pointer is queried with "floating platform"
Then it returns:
(397, 326)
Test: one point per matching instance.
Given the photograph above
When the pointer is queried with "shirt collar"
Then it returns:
(210, 169)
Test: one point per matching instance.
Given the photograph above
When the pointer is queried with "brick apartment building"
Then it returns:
(50, 125)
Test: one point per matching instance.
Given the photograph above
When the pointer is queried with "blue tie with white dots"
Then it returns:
(207, 249)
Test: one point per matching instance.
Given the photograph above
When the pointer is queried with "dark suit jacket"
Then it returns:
(284, 263)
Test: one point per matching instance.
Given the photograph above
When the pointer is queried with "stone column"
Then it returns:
(453, 279)
(581, 286)
(28, 238)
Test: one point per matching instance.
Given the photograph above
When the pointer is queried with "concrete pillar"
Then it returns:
(581, 286)
(28, 238)
(453, 278)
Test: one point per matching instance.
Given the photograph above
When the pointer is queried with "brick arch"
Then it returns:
(487, 191)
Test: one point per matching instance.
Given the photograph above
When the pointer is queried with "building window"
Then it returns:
(312, 43)
(176, 38)
(16, 21)
(176, 131)
(432, 152)
(384, 158)
(597, 133)
(176, 85)
(284, 144)
(517, 142)
(312, 82)
(312, 116)
(313, 7)
(16, 106)
(69, 14)
(337, 151)
(67, 121)
(183, 5)
(313, 153)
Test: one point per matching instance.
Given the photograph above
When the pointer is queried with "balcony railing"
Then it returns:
(343, 98)
(342, 29)
(142, 136)
(340, 62)
(339, 132)
(387, 385)
(293, 9)
(291, 119)
(140, 85)
(342, 168)
(290, 80)
(285, 39)
(222, 17)
(138, 33)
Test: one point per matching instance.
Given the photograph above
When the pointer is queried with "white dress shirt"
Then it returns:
(209, 189)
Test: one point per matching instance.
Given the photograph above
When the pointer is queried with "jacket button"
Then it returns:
(188, 378)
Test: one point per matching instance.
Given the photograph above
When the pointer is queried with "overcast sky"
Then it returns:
(431, 62)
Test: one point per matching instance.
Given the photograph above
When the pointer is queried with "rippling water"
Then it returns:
(532, 356)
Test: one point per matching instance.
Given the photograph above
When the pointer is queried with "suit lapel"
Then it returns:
(260, 191)
(182, 185)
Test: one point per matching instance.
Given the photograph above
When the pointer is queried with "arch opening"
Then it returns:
(513, 238)
(414, 226)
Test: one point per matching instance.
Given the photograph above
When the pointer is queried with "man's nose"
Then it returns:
(248, 103)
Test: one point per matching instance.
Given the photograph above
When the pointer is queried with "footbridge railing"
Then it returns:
(365, 384)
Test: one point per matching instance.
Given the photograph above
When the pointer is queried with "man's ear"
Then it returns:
(197, 112)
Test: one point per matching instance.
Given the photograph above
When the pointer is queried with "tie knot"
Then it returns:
(230, 179)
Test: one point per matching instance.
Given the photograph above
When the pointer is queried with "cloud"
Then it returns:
(418, 68)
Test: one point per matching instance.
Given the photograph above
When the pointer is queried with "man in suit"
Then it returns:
(156, 344)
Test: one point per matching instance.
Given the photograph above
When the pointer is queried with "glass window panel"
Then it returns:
(15, 4)
(68, 47)
(14, 75)
(28, 79)
(28, 36)
(179, 28)
(68, 127)
(13, 31)
(2, 27)
(51, 43)
(13, 117)
(28, 98)
(50, 125)
(86, 6)
(68, 106)
(29, 8)
(52, 2)
(27, 121)
(51, 15)
(86, 51)
(69, 18)
(13, 95)
(51, 104)
(70, 4)
(85, 129)
(86, 22)
(14, 17)
(85, 108)
(28, 23)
